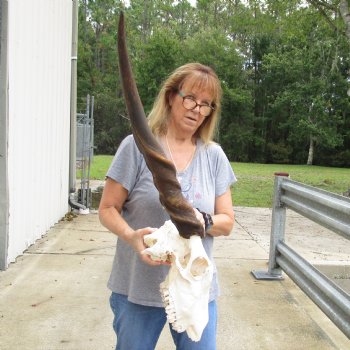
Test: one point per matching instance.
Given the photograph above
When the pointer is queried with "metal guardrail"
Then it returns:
(331, 211)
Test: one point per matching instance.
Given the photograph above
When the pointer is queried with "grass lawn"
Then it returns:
(255, 184)
(254, 187)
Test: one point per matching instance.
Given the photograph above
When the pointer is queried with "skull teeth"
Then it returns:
(170, 309)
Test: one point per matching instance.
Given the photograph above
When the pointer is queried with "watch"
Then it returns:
(208, 221)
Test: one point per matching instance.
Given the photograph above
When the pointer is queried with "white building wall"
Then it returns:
(39, 68)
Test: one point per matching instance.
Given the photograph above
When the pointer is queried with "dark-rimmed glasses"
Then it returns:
(190, 103)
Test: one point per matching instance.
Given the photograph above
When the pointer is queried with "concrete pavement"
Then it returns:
(55, 297)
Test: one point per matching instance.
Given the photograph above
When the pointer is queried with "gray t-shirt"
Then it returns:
(209, 175)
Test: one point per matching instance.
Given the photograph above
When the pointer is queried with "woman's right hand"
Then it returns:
(135, 239)
(113, 197)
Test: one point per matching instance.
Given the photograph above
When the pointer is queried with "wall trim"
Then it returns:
(4, 190)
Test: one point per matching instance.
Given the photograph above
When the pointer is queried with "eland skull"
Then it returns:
(185, 291)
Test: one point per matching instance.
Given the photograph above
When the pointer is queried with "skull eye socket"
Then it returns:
(199, 267)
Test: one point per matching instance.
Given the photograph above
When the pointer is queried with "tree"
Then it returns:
(98, 71)
(160, 56)
(284, 68)
(304, 68)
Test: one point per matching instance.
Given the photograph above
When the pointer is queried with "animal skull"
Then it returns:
(185, 291)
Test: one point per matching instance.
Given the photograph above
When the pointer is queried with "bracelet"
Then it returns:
(208, 221)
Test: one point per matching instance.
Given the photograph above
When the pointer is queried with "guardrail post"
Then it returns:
(277, 232)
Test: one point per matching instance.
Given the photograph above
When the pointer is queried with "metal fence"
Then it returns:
(331, 211)
(85, 150)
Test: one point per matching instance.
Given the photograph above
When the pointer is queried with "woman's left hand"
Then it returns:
(199, 217)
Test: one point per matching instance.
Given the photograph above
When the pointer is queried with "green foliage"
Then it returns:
(278, 153)
(283, 66)
(158, 59)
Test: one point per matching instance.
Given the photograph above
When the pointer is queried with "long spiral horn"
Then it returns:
(163, 170)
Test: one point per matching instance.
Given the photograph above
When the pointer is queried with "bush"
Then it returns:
(278, 153)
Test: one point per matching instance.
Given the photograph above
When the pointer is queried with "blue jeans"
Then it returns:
(138, 327)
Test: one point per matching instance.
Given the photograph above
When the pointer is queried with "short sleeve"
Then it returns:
(224, 174)
(126, 164)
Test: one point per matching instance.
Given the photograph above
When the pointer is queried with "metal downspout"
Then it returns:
(73, 110)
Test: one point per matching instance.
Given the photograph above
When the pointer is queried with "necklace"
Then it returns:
(172, 159)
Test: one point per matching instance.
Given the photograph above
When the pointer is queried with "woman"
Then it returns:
(183, 119)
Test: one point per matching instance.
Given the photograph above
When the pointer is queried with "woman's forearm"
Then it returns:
(222, 225)
(114, 222)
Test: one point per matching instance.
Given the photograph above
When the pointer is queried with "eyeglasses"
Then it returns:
(190, 103)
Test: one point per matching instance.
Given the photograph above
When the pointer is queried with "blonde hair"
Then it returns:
(197, 76)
